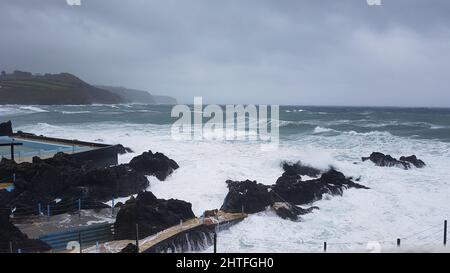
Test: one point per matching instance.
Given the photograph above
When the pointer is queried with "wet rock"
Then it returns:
(6, 128)
(301, 169)
(62, 177)
(405, 162)
(288, 191)
(246, 196)
(117, 181)
(290, 211)
(156, 164)
(130, 248)
(151, 214)
(383, 160)
(290, 188)
(413, 160)
(124, 150)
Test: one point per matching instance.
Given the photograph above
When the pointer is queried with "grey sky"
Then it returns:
(312, 52)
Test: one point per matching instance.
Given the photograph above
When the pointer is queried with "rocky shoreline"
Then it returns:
(288, 192)
(62, 180)
(405, 162)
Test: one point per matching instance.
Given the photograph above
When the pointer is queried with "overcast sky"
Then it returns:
(312, 52)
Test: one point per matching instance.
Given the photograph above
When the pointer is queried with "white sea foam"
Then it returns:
(34, 109)
(74, 112)
(8, 110)
(319, 130)
(399, 203)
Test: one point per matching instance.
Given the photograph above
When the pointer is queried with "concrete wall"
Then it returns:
(100, 158)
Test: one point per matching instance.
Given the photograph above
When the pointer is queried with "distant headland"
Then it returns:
(21, 87)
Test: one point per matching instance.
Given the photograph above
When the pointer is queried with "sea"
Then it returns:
(410, 205)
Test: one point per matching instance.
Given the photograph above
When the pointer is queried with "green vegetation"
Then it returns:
(25, 88)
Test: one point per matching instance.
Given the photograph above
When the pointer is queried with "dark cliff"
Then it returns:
(51, 89)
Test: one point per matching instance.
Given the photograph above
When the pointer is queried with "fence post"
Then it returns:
(112, 207)
(79, 208)
(324, 246)
(445, 232)
(79, 241)
(398, 242)
(215, 242)
(10, 247)
(39, 209)
(48, 211)
(97, 247)
(14, 178)
(137, 237)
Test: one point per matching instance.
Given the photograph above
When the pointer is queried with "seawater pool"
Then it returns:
(30, 148)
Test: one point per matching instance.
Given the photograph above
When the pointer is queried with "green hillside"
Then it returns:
(25, 88)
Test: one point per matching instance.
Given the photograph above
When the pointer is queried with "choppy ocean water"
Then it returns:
(400, 204)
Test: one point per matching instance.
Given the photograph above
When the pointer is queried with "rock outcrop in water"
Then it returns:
(290, 188)
(151, 214)
(405, 162)
(156, 164)
(124, 150)
(288, 191)
(12, 239)
(413, 160)
(290, 211)
(6, 128)
(246, 196)
(301, 169)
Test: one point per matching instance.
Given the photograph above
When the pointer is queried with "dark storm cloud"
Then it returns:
(245, 51)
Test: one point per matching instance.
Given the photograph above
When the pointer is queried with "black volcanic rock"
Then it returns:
(290, 211)
(6, 128)
(116, 181)
(246, 196)
(413, 160)
(156, 164)
(123, 150)
(12, 237)
(290, 188)
(405, 162)
(151, 214)
(300, 169)
(130, 248)
(288, 191)
(383, 160)
(62, 177)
